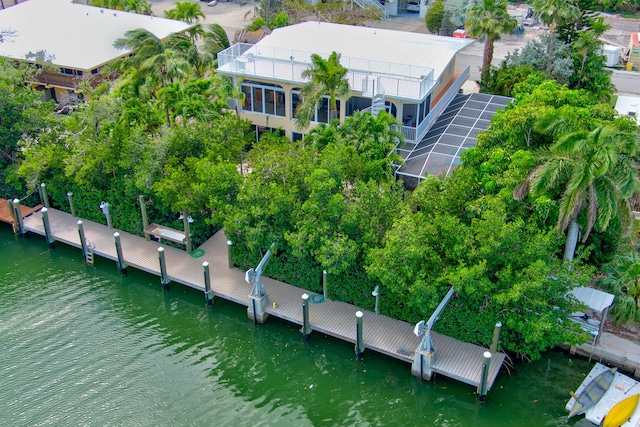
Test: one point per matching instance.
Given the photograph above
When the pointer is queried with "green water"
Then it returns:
(82, 345)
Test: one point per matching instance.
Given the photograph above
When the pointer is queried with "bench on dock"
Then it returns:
(167, 233)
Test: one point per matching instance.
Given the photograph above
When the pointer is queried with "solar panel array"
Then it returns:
(453, 133)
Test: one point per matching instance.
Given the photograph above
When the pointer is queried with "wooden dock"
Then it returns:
(454, 359)
(5, 213)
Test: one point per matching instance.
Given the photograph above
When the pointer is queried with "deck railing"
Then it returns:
(400, 80)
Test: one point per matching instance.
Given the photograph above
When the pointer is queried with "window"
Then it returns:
(263, 98)
(322, 110)
(296, 136)
(414, 114)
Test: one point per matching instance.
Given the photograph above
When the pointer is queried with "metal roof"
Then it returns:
(375, 44)
(75, 35)
(453, 133)
(595, 299)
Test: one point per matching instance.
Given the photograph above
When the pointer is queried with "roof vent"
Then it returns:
(115, 14)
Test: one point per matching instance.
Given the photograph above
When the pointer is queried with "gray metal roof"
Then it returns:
(75, 35)
(595, 299)
(453, 133)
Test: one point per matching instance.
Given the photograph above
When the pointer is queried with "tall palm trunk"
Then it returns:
(487, 57)
(572, 240)
(552, 38)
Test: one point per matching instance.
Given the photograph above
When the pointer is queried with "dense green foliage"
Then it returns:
(330, 202)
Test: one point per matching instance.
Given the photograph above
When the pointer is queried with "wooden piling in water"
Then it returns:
(47, 227)
(120, 262)
(208, 293)
(359, 342)
(306, 330)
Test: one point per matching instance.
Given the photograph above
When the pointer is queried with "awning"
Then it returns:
(597, 300)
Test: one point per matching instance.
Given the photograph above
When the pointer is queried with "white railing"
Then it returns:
(374, 4)
(416, 133)
(400, 80)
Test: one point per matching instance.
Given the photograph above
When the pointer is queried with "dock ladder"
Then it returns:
(89, 255)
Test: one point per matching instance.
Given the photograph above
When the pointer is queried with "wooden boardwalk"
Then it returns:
(5, 213)
(454, 359)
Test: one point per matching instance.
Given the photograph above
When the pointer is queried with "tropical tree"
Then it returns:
(623, 279)
(327, 77)
(585, 170)
(489, 20)
(154, 65)
(555, 13)
(433, 17)
(185, 11)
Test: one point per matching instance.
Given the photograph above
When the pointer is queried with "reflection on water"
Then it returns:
(84, 346)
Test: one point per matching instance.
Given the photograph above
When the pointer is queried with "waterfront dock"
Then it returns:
(454, 359)
(5, 211)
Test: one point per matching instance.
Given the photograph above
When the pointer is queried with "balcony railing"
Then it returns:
(400, 80)
(66, 81)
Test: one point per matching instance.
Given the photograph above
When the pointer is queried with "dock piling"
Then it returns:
(83, 240)
(163, 269)
(208, 293)
(44, 196)
(120, 263)
(306, 329)
(325, 289)
(229, 256)
(70, 198)
(14, 218)
(145, 217)
(482, 389)
(47, 227)
(18, 214)
(496, 338)
(376, 294)
(359, 342)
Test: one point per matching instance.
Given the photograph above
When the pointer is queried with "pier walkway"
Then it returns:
(5, 211)
(454, 359)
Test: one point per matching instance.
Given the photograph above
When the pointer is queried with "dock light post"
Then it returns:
(121, 266)
(306, 330)
(43, 194)
(359, 343)
(376, 294)
(70, 198)
(186, 222)
(482, 390)
(208, 293)
(47, 227)
(104, 206)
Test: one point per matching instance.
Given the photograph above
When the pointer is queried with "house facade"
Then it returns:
(72, 42)
(409, 75)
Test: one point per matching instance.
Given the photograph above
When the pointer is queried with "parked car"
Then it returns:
(413, 6)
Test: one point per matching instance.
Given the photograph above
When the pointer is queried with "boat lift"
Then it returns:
(425, 328)
(254, 275)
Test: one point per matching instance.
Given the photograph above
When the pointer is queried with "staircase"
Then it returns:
(374, 89)
(373, 4)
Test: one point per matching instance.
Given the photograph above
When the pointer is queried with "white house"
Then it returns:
(76, 39)
(411, 75)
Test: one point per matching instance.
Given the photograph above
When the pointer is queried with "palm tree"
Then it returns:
(555, 13)
(586, 170)
(623, 279)
(215, 40)
(185, 11)
(154, 61)
(489, 19)
(327, 77)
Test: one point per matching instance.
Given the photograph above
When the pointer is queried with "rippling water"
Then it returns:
(82, 345)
